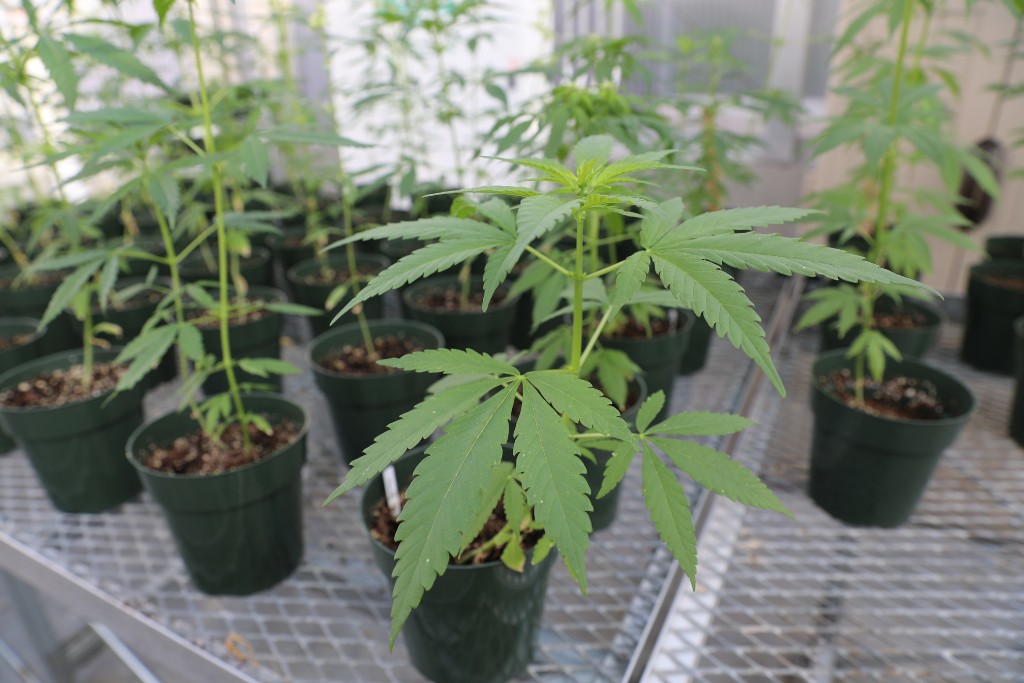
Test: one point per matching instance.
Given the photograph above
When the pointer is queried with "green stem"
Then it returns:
(593, 228)
(223, 312)
(575, 364)
(604, 271)
(465, 282)
(548, 260)
(888, 176)
(87, 346)
(596, 335)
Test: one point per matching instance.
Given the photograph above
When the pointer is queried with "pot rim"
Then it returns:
(292, 275)
(962, 417)
(257, 254)
(348, 327)
(37, 331)
(69, 355)
(442, 280)
(150, 472)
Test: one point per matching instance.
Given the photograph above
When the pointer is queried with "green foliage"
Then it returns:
(564, 406)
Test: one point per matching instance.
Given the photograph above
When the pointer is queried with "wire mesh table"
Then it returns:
(938, 599)
(329, 621)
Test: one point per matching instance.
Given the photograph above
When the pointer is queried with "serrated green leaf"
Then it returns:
(670, 512)
(702, 423)
(309, 137)
(713, 295)
(728, 221)
(424, 229)
(596, 148)
(255, 160)
(190, 340)
(444, 499)
(108, 280)
(514, 501)
(718, 472)
(580, 401)
(649, 410)
(537, 216)
(551, 470)
(260, 423)
(616, 469)
(451, 362)
(163, 189)
(491, 495)
(787, 255)
(425, 261)
(265, 367)
(122, 60)
(145, 351)
(58, 64)
(410, 429)
(288, 308)
(630, 278)
(162, 7)
(68, 289)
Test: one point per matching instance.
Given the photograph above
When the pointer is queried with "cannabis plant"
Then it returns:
(895, 118)
(561, 412)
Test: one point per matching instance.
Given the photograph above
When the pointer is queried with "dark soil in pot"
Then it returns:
(995, 299)
(436, 301)
(364, 398)
(477, 623)
(257, 336)
(658, 355)
(871, 468)
(913, 326)
(19, 343)
(255, 268)
(1017, 410)
(239, 527)
(19, 299)
(312, 285)
(74, 438)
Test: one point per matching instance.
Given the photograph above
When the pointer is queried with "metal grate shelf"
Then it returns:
(939, 599)
(329, 621)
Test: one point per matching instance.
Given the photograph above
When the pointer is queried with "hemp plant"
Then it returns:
(560, 410)
(895, 117)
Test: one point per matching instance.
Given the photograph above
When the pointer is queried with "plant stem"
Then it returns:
(594, 228)
(888, 176)
(465, 281)
(223, 312)
(548, 260)
(596, 334)
(87, 346)
(575, 363)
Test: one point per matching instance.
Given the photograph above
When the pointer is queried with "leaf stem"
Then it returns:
(577, 299)
(596, 334)
(223, 312)
(548, 260)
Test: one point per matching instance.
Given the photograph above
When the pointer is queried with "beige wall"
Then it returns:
(992, 23)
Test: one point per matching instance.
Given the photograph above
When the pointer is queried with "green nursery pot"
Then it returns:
(77, 450)
(658, 356)
(991, 312)
(12, 357)
(31, 302)
(477, 623)
(695, 355)
(868, 470)
(315, 294)
(255, 268)
(288, 248)
(1017, 412)
(484, 331)
(239, 532)
(912, 343)
(362, 406)
(1005, 247)
(256, 339)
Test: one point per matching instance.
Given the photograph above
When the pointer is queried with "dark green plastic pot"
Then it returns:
(257, 339)
(484, 331)
(991, 311)
(477, 623)
(659, 356)
(255, 268)
(12, 357)
(1017, 412)
(315, 294)
(696, 353)
(131, 322)
(1010, 247)
(912, 343)
(868, 470)
(607, 508)
(31, 302)
(288, 248)
(239, 532)
(77, 450)
(362, 406)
